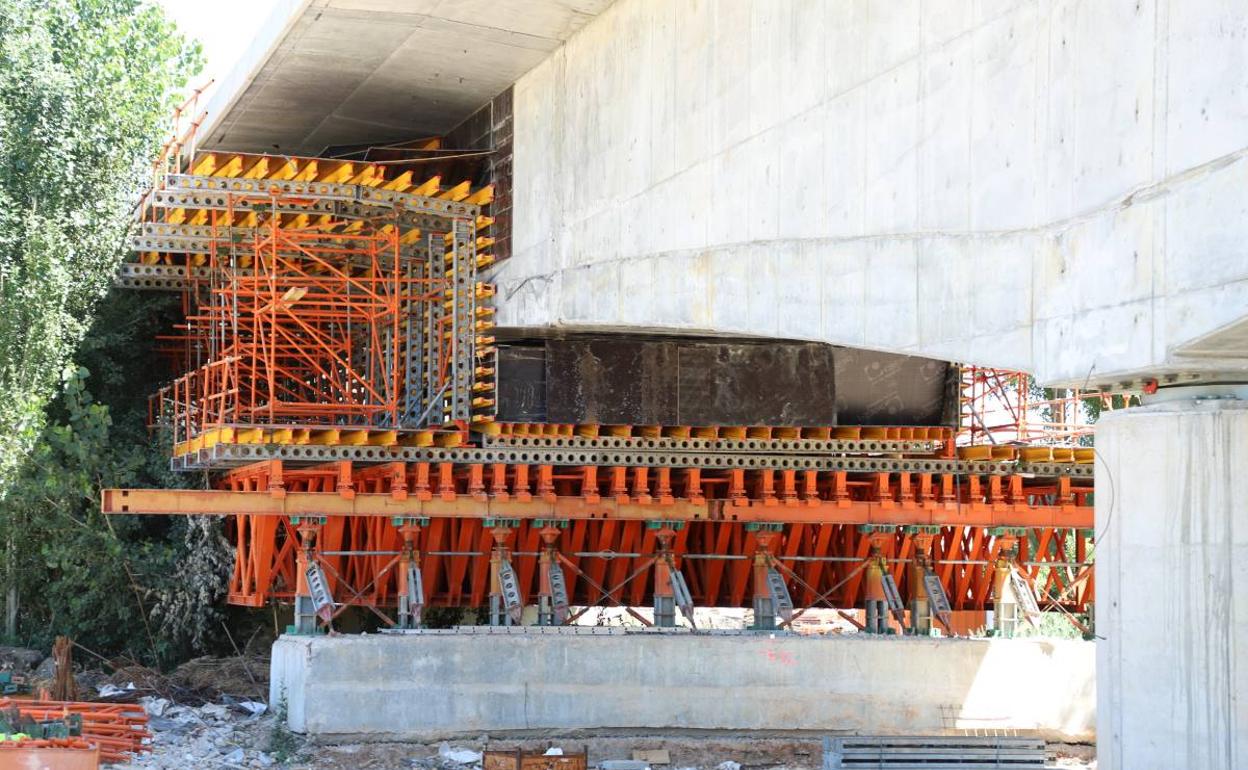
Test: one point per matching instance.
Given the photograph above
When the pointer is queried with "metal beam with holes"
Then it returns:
(225, 503)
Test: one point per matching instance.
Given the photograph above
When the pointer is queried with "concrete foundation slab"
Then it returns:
(439, 684)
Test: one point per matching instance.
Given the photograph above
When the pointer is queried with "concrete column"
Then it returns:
(1172, 586)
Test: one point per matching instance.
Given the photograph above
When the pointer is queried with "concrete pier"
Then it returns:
(433, 685)
(1171, 572)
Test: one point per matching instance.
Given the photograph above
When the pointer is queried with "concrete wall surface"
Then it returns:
(440, 684)
(1052, 185)
(1172, 587)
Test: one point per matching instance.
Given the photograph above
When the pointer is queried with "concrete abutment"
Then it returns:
(434, 685)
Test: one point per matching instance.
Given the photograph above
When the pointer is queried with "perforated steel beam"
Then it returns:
(299, 504)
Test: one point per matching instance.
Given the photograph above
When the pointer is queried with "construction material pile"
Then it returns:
(117, 729)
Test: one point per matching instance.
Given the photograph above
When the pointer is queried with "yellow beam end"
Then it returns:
(399, 183)
(325, 437)
(232, 168)
(205, 165)
(420, 438)
(250, 436)
(338, 175)
(456, 193)
(481, 197)
(258, 170)
(210, 438)
(486, 425)
(309, 172)
(383, 438)
(287, 170)
(983, 452)
(429, 187)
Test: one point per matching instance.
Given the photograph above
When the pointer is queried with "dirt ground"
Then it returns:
(213, 737)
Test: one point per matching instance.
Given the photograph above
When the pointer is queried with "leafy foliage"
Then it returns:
(85, 88)
(148, 586)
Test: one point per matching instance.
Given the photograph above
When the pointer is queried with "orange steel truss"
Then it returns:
(606, 519)
(336, 368)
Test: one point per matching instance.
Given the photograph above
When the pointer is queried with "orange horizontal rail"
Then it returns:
(228, 503)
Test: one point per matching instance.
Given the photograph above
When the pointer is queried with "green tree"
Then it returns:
(147, 585)
(86, 89)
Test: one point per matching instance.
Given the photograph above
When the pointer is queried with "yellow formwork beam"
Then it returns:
(456, 193)
(204, 165)
(232, 167)
(259, 169)
(308, 172)
(399, 183)
(287, 170)
(481, 197)
(338, 175)
(429, 187)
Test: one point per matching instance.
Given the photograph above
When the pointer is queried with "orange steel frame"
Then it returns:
(828, 521)
(300, 327)
(295, 336)
(997, 406)
(295, 318)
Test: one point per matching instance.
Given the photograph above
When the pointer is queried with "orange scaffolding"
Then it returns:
(337, 362)
(318, 305)
(1000, 406)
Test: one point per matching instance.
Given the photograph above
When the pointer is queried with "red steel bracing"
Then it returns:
(360, 554)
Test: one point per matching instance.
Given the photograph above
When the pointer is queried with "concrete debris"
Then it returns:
(653, 756)
(459, 755)
(623, 764)
(19, 659)
(155, 707)
(45, 671)
(112, 691)
(212, 735)
(728, 765)
(250, 707)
